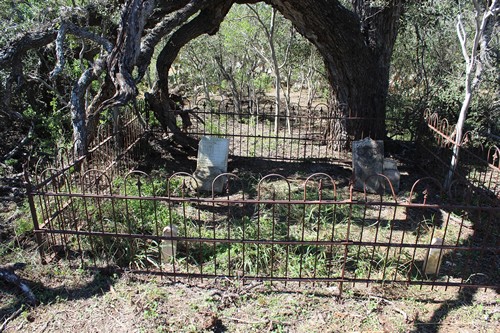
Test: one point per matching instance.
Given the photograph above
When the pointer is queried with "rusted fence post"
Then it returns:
(34, 216)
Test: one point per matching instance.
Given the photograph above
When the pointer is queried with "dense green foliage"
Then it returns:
(428, 68)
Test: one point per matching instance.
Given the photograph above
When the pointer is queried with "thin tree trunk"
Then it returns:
(473, 71)
(232, 83)
(276, 69)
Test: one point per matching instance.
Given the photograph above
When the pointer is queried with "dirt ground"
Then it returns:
(85, 301)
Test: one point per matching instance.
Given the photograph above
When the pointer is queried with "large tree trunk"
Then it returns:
(357, 48)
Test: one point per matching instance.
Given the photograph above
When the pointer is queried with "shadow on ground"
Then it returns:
(99, 283)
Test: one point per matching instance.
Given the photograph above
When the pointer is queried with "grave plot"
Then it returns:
(268, 220)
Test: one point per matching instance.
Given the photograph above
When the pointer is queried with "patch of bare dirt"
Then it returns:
(98, 302)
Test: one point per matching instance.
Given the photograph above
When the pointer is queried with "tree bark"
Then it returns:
(356, 47)
(82, 137)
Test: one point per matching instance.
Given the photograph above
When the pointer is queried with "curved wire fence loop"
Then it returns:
(320, 187)
(227, 189)
(273, 188)
(183, 182)
(493, 156)
(134, 178)
(96, 181)
(384, 183)
(426, 195)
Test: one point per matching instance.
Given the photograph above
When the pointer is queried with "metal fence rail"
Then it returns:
(276, 229)
(298, 133)
(478, 165)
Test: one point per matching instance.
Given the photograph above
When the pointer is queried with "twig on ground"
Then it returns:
(44, 327)
(12, 317)
(398, 310)
(243, 321)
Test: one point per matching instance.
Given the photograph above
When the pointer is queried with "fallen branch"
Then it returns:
(12, 317)
(14, 216)
(23, 142)
(243, 321)
(9, 276)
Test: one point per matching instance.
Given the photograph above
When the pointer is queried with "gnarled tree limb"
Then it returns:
(122, 59)
(162, 29)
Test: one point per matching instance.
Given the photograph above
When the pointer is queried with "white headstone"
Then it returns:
(432, 261)
(169, 247)
(212, 161)
(391, 171)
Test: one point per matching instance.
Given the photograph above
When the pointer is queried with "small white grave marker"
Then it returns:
(391, 171)
(432, 261)
(169, 247)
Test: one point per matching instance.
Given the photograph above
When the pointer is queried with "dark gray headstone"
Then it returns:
(367, 161)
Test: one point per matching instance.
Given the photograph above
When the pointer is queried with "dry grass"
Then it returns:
(85, 301)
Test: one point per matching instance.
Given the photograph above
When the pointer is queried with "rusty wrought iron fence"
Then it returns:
(94, 212)
(271, 229)
(479, 165)
(116, 147)
(297, 133)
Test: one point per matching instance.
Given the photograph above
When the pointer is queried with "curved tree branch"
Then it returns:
(85, 33)
(78, 110)
(17, 48)
(79, 32)
(206, 22)
(61, 34)
(123, 58)
(163, 28)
